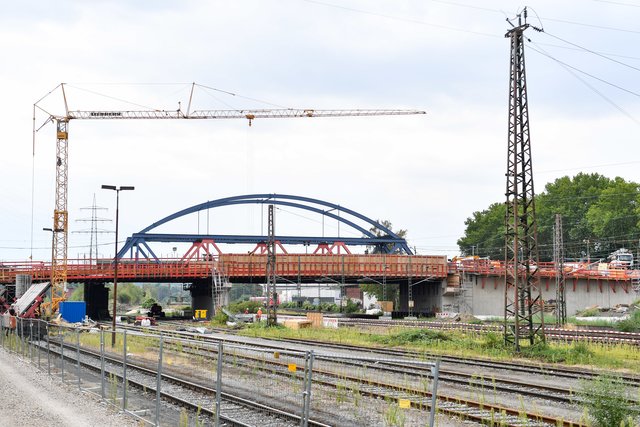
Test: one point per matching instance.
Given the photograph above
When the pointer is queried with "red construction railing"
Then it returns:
(240, 266)
(309, 266)
(488, 267)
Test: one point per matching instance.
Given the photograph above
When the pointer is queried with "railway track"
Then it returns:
(234, 410)
(420, 398)
(554, 334)
(480, 363)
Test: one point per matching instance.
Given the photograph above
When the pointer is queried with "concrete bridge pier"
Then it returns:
(96, 295)
(204, 298)
(427, 298)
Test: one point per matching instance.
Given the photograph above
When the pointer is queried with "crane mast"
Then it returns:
(60, 214)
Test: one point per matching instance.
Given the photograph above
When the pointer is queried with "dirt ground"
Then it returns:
(30, 397)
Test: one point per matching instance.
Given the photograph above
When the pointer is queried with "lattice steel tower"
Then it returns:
(272, 294)
(523, 299)
(558, 259)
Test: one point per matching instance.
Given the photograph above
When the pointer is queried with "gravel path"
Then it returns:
(31, 397)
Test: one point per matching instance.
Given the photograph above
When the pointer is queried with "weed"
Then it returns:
(184, 418)
(631, 324)
(113, 388)
(393, 416)
(606, 401)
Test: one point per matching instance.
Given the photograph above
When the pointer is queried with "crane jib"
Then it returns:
(229, 114)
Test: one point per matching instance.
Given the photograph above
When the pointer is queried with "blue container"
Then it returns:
(73, 311)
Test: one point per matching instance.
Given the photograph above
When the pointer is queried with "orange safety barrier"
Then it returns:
(241, 266)
(307, 266)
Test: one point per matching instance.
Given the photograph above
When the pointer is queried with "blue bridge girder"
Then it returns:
(389, 243)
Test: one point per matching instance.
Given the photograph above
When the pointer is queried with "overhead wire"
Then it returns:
(618, 3)
(564, 21)
(402, 19)
(601, 55)
(564, 64)
(570, 69)
(590, 167)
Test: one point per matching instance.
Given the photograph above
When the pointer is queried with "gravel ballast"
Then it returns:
(31, 397)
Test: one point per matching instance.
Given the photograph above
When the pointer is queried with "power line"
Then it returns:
(564, 64)
(618, 3)
(590, 167)
(564, 21)
(592, 51)
(402, 19)
(603, 96)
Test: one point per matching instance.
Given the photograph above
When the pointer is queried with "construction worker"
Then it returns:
(12, 321)
(259, 314)
(246, 310)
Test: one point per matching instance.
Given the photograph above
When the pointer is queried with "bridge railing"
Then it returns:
(303, 265)
(544, 270)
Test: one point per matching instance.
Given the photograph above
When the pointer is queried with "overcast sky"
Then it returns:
(424, 173)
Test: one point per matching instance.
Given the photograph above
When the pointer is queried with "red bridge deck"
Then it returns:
(241, 267)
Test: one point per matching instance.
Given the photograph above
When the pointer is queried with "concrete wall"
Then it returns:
(490, 300)
(427, 297)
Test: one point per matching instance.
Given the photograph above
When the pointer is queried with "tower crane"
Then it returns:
(60, 214)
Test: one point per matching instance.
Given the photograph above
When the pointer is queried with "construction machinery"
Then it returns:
(60, 228)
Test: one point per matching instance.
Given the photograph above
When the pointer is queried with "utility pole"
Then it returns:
(523, 297)
(272, 294)
(558, 259)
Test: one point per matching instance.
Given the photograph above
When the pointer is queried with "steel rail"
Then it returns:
(264, 410)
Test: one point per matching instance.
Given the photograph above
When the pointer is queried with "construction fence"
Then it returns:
(161, 379)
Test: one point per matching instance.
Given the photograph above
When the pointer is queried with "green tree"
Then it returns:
(571, 198)
(615, 213)
(242, 292)
(596, 211)
(77, 294)
(485, 233)
(375, 289)
(379, 233)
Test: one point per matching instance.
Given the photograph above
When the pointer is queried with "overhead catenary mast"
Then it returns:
(523, 306)
(272, 292)
(558, 259)
(60, 214)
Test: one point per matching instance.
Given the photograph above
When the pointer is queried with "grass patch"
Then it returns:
(631, 324)
(466, 344)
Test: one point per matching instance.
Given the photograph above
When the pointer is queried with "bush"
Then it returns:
(220, 318)
(632, 324)
(606, 401)
(493, 341)
(413, 336)
(148, 303)
(351, 306)
(590, 312)
(241, 306)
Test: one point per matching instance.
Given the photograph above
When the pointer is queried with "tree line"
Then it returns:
(599, 215)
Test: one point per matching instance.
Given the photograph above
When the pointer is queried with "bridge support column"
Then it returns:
(403, 298)
(96, 295)
(202, 299)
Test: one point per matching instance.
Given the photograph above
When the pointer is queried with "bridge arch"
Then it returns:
(391, 242)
